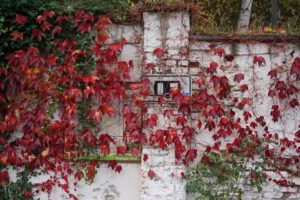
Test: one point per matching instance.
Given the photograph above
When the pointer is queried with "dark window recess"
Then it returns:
(162, 88)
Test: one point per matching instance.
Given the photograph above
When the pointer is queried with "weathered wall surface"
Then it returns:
(258, 81)
(170, 31)
(107, 185)
(182, 56)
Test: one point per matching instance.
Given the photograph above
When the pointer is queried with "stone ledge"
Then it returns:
(229, 38)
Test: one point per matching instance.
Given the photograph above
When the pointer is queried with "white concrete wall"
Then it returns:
(107, 185)
(170, 32)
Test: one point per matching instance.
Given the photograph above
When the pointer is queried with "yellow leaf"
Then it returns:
(268, 29)
(45, 153)
(31, 158)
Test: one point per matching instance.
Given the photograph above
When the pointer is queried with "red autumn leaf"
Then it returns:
(244, 87)
(271, 93)
(184, 108)
(199, 82)
(104, 20)
(282, 149)
(106, 139)
(131, 65)
(145, 157)
(89, 78)
(145, 82)
(61, 19)
(84, 27)
(91, 172)
(293, 103)
(161, 100)
(182, 175)
(179, 148)
(112, 164)
(51, 60)
(152, 121)
(104, 149)
(116, 47)
(210, 125)
(168, 113)
(269, 153)
(207, 149)
(151, 174)
(126, 109)
(244, 102)
(238, 77)
(280, 85)
(188, 134)
(79, 174)
(107, 109)
(259, 60)
(121, 150)
(134, 86)
(282, 94)
(216, 146)
(273, 73)
(88, 91)
(159, 52)
(2, 140)
(144, 91)
(118, 168)
(135, 152)
(102, 36)
(37, 33)
(253, 124)
(297, 134)
(123, 66)
(247, 115)
(212, 68)
(40, 19)
(49, 14)
(150, 66)
(295, 69)
(46, 26)
(219, 51)
(27, 194)
(56, 30)
(198, 123)
(17, 35)
(275, 113)
(190, 156)
(292, 90)
(89, 138)
(78, 52)
(3, 71)
(224, 121)
(20, 19)
(94, 115)
(4, 178)
(181, 120)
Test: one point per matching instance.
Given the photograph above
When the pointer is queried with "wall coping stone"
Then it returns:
(263, 38)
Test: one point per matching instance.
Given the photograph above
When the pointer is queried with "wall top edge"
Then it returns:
(228, 38)
(163, 7)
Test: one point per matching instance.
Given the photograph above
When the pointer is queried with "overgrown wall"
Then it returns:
(186, 56)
